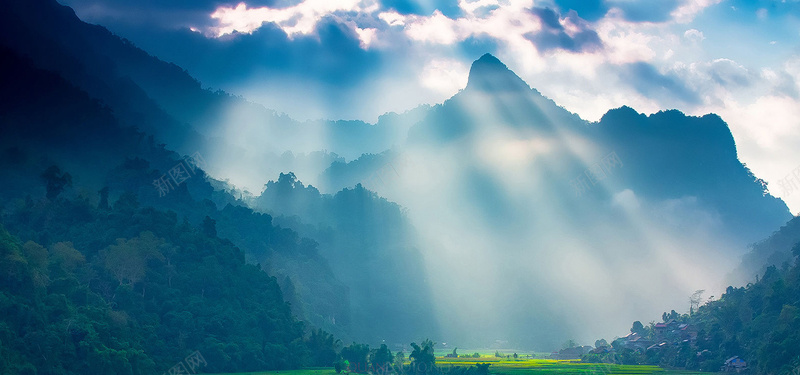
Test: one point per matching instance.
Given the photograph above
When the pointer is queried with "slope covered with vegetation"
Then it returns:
(759, 323)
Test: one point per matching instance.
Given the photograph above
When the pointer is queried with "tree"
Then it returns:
(356, 356)
(55, 181)
(601, 343)
(482, 368)
(381, 359)
(422, 356)
(637, 327)
(340, 365)
(38, 260)
(103, 205)
(127, 203)
(694, 301)
(322, 348)
(127, 260)
(209, 227)
(66, 258)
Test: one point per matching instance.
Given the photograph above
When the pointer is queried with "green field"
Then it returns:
(518, 367)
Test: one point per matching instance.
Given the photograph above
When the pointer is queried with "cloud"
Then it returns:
(332, 53)
(729, 74)
(163, 14)
(687, 11)
(437, 29)
(553, 35)
(762, 14)
(694, 35)
(298, 19)
(648, 81)
(445, 75)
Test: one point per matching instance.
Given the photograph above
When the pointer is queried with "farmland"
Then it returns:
(501, 366)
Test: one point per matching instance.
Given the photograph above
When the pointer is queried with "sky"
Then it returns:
(358, 59)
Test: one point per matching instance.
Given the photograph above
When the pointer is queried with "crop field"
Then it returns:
(550, 366)
(519, 367)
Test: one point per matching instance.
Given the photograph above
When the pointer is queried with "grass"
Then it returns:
(519, 367)
(309, 371)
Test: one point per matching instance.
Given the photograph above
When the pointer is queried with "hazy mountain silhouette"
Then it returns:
(652, 185)
(667, 155)
(775, 250)
(370, 245)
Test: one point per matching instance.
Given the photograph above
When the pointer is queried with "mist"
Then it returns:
(535, 226)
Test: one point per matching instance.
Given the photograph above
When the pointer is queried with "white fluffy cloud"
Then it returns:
(298, 19)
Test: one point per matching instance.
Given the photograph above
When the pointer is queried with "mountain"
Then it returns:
(500, 172)
(775, 250)
(489, 74)
(67, 83)
(371, 247)
(43, 117)
(667, 155)
(163, 100)
(504, 209)
(110, 280)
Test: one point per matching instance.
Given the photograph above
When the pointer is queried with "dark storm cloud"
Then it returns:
(648, 81)
(553, 36)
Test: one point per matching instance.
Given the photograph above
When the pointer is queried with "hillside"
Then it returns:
(758, 323)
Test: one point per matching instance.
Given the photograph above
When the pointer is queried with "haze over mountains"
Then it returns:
(494, 210)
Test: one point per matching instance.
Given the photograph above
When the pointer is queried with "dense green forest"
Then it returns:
(129, 290)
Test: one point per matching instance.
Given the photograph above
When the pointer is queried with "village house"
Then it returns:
(734, 364)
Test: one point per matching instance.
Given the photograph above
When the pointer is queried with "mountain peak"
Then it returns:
(489, 74)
